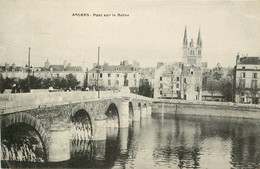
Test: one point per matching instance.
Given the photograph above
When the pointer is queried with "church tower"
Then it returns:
(191, 54)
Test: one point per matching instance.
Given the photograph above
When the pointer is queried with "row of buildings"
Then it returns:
(177, 80)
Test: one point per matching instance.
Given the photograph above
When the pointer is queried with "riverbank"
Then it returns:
(217, 109)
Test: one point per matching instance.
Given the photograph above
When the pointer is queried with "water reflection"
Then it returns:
(172, 142)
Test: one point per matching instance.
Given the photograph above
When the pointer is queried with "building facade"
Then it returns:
(113, 77)
(176, 81)
(247, 74)
(13, 71)
(49, 71)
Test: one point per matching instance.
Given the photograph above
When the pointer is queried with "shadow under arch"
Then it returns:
(130, 112)
(112, 114)
(140, 108)
(82, 128)
(23, 139)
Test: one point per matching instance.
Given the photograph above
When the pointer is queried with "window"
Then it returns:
(117, 75)
(242, 83)
(178, 79)
(254, 75)
(58, 75)
(134, 75)
(254, 84)
(117, 68)
(117, 82)
(160, 78)
(199, 52)
(109, 82)
(243, 74)
(161, 85)
(191, 72)
(160, 92)
(108, 75)
(177, 85)
(184, 80)
(243, 67)
(100, 75)
(93, 75)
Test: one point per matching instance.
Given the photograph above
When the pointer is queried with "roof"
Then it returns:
(116, 68)
(250, 60)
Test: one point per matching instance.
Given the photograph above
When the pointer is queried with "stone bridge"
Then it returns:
(39, 126)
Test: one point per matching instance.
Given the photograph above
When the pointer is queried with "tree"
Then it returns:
(2, 84)
(226, 88)
(213, 86)
(170, 78)
(72, 81)
(145, 88)
(186, 81)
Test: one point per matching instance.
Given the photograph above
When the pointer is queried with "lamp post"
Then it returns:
(28, 70)
(98, 71)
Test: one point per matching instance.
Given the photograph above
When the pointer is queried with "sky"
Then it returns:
(153, 31)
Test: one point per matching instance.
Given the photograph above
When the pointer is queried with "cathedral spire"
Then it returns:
(185, 40)
(199, 40)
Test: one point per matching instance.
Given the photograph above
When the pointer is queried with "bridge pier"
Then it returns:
(123, 140)
(143, 111)
(99, 132)
(124, 110)
(59, 148)
(149, 110)
(137, 113)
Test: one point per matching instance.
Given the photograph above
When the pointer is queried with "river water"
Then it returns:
(168, 142)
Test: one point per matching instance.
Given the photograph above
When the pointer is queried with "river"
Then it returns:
(168, 142)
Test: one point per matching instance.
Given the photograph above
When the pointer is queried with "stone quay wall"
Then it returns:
(217, 109)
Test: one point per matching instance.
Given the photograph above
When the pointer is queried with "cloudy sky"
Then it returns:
(152, 32)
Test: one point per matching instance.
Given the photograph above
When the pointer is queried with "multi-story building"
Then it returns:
(49, 71)
(247, 74)
(13, 71)
(176, 81)
(114, 76)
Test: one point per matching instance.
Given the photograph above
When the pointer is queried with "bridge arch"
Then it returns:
(25, 137)
(82, 122)
(113, 119)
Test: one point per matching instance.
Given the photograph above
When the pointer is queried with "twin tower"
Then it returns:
(192, 54)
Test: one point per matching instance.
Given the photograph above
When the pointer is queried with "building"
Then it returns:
(49, 71)
(247, 73)
(176, 81)
(182, 80)
(13, 71)
(113, 77)
(167, 81)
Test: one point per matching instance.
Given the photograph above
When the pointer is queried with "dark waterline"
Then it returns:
(169, 142)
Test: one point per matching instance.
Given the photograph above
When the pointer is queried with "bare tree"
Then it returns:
(170, 78)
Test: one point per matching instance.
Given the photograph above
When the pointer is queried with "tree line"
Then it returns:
(70, 81)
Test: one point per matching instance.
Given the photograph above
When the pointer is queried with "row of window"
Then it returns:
(242, 83)
(109, 82)
(177, 86)
(108, 75)
(192, 52)
(177, 79)
(243, 75)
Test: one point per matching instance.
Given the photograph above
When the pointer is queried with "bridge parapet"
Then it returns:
(34, 100)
